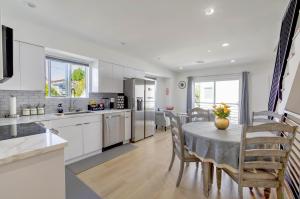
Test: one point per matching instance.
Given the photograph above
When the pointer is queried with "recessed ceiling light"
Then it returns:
(209, 11)
(180, 68)
(200, 62)
(209, 51)
(232, 61)
(225, 44)
(30, 4)
(122, 43)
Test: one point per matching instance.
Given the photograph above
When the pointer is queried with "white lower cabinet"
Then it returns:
(92, 139)
(84, 135)
(73, 134)
(127, 126)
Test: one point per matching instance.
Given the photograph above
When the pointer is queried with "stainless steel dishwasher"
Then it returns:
(114, 128)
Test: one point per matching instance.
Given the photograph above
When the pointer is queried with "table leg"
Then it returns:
(206, 169)
(219, 178)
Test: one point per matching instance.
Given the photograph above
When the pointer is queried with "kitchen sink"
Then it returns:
(74, 113)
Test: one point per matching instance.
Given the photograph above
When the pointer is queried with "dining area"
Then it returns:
(255, 155)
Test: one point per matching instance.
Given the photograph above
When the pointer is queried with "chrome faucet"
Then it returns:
(72, 102)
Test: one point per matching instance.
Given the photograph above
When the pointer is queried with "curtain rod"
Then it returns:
(218, 75)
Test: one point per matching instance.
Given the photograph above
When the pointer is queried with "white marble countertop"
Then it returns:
(25, 147)
(53, 116)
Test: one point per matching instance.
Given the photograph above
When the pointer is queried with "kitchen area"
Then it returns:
(59, 108)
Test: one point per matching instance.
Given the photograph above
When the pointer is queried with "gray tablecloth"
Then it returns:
(210, 144)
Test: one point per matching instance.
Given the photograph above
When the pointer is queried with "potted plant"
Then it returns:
(222, 113)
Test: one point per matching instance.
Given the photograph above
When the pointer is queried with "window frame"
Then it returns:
(70, 62)
(215, 79)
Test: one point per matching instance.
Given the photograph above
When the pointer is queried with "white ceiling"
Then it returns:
(171, 33)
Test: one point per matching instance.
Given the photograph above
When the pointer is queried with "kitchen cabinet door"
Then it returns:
(13, 83)
(106, 77)
(118, 77)
(92, 136)
(32, 67)
(72, 134)
(127, 126)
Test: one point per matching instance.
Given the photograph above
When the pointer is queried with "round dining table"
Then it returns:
(214, 147)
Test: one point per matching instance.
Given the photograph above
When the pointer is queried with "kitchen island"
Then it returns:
(32, 167)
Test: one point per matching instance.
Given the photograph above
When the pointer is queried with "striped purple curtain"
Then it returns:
(287, 31)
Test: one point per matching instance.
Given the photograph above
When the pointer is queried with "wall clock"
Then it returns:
(181, 84)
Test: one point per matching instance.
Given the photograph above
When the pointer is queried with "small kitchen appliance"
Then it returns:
(120, 102)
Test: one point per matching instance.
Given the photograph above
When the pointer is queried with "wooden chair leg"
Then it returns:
(219, 178)
(279, 192)
(180, 173)
(165, 128)
(267, 193)
(212, 170)
(240, 192)
(172, 161)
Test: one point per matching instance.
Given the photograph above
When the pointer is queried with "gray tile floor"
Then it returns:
(76, 189)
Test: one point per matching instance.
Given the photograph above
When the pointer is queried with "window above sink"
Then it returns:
(66, 78)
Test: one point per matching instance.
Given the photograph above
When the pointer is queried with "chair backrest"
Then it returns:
(160, 118)
(198, 114)
(266, 117)
(262, 149)
(177, 134)
(292, 173)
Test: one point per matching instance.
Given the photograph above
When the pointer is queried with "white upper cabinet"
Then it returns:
(28, 68)
(105, 77)
(108, 77)
(118, 77)
(14, 82)
(32, 67)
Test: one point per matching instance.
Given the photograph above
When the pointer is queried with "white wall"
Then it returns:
(57, 39)
(162, 98)
(259, 83)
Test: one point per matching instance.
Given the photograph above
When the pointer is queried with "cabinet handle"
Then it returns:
(78, 124)
(86, 123)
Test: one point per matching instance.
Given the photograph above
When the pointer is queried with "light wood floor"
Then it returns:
(143, 174)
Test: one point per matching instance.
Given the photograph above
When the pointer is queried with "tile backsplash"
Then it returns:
(38, 97)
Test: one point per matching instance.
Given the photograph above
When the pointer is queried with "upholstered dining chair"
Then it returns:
(178, 146)
(198, 114)
(161, 120)
(269, 171)
(266, 117)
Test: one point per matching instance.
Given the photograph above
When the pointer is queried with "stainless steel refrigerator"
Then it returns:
(141, 100)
